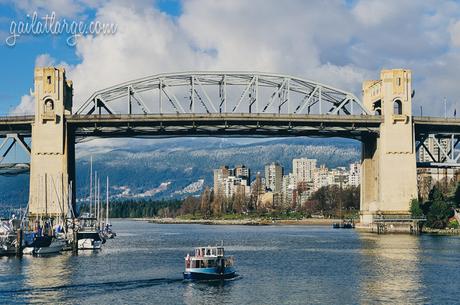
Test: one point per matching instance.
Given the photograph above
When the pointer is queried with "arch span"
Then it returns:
(222, 92)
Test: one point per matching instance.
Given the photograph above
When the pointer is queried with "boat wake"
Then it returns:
(102, 286)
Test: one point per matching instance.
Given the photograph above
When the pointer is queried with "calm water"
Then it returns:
(278, 265)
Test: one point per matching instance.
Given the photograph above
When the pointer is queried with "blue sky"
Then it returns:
(19, 60)
(339, 42)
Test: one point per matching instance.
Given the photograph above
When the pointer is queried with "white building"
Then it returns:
(234, 185)
(304, 169)
(354, 174)
(274, 176)
(289, 186)
(320, 177)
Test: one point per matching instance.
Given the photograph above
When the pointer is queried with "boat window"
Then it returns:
(214, 251)
(208, 251)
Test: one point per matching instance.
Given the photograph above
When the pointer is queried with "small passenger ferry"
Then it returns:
(209, 263)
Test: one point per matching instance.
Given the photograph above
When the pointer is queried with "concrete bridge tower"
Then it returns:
(52, 164)
(389, 176)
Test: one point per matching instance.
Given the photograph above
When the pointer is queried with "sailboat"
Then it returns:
(107, 231)
(47, 234)
(89, 233)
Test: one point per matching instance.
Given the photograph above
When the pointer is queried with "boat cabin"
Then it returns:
(209, 251)
(208, 257)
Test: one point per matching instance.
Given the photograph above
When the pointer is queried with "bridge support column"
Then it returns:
(52, 164)
(389, 176)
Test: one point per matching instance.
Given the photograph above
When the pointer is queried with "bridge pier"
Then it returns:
(389, 176)
(52, 161)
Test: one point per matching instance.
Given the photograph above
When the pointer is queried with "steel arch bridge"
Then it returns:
(222, 92)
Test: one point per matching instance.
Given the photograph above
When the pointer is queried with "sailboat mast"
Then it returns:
(99, 201)
(107, 203)
(91, 186)
(95, 194)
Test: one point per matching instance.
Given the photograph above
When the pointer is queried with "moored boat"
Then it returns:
(89, 236)
(209, 263)
(8, 238)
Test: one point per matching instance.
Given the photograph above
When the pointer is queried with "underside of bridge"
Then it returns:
(242, 104)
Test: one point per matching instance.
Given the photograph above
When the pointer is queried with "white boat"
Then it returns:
(209, 263)
(8, 236)
(56, 246)
(45, 245)
(89, 236)
(89, 240)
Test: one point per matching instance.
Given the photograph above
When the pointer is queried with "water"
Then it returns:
(277, 265)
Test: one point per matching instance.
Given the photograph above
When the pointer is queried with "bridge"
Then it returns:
(226, 104)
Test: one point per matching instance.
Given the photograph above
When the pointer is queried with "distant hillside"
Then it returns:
(179, 167)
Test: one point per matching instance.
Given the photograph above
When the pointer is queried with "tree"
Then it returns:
(456, 198)
(437, 209)
(438, 215)
(415, 209)
(205, 204)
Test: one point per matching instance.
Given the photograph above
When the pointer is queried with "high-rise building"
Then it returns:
(219, 175)
(321, 177)
(355, 174)
(234, 185)
(304, 169)
(289, 186)
(274, 176)
(241, 171)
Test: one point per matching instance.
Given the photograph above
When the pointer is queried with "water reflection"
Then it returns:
(392, 271)
(207, 292)
(42, 274)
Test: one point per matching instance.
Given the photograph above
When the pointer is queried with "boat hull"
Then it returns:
(209, 274)
(89, 244)
(56, 246)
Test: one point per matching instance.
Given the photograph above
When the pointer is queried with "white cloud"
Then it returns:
(44, 60)
(326, 41)
(26, 106)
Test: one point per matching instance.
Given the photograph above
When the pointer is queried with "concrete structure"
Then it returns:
(274, 177)
(52, 169)
(267, 105)
(389, 177)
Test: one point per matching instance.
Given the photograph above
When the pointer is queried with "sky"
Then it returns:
(337, 42)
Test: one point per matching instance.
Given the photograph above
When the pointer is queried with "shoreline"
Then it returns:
(325, 222)
(245, 222)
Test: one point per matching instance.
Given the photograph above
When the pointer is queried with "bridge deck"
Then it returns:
(274, 125)
(16, 124)
(228, 124)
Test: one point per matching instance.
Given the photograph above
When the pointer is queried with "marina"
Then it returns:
(49, 233)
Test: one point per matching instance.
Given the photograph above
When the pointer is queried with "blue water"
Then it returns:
(277, 265)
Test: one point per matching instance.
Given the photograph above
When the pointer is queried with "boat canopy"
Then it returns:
(209, 251)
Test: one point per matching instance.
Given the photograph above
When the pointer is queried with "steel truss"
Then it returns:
(442, 152)
(221, 92)
(9, 141)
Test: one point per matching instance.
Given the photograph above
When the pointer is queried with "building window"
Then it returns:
(397, 107)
